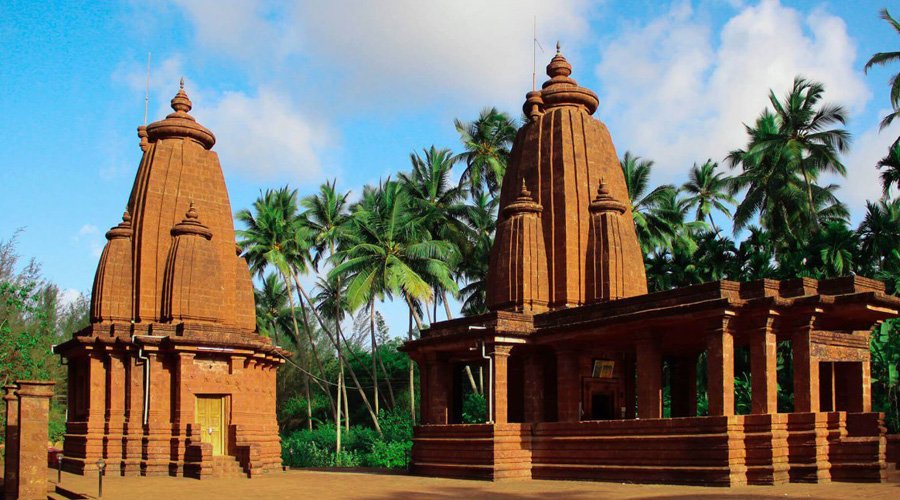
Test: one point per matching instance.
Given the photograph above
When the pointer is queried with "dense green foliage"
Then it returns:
(33, 318)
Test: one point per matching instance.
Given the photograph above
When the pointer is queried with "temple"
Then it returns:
(577, 356)
(171, 378)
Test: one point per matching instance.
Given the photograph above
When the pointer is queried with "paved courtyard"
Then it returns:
(322, 485)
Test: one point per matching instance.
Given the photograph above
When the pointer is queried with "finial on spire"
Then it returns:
(557, 47)
(192, 212)
(181, 83)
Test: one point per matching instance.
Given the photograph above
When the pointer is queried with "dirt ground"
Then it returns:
(314, 485)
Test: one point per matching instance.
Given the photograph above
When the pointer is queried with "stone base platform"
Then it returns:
(714, 451)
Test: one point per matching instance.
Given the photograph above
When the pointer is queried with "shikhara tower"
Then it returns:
(573, 348)
(171, 377)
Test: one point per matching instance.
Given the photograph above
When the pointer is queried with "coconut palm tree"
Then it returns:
(487, 142)
(878, 234)
(890, 168)
(437, 202)
(773, 192)
(389, 254)
(481, 221)
(272, 307)
(276, 237)
(883, 58)
(708, 190)
(326, 215)
(837, 245)
(803, 140)
(656, 226)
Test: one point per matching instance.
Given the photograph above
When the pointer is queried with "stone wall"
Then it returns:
(715, 451)
(28, 412)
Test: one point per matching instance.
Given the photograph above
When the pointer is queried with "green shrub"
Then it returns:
(474, 409)
(391, 455)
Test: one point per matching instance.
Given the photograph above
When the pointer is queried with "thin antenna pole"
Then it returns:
(534, 56)
(147, 90)
(535, 44)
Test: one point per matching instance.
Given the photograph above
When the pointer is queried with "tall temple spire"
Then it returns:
(562, 153)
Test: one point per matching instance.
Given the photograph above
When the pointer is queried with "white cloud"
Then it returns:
(863, 181)
(395, 54)
(265, 136)
(671, 94)
(88, 229)
(90, 235)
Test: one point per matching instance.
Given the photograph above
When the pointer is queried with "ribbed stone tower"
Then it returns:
(171, 377)
(562, 155)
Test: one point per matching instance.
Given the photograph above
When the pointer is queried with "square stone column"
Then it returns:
(158, 432)
(763, 369)
(500, 389)
(134, 418)
(534, 388)
(649, 379)
(115, 413)
(720, 371)
(34, 415)
(568, 386)
(806, 372)
(440, 384)
(11, 450)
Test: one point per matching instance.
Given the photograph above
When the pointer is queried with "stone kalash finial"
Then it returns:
(604, 202)
(180, 124)
(560, 90)
(123, 230)
(191, 225)
(605, 270)
(142, 135)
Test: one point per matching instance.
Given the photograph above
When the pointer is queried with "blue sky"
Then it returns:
(300, 92)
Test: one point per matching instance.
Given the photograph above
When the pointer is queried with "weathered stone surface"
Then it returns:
(577, 390)
(172, 320)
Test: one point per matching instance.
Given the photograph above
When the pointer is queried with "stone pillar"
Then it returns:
(440, 384)
(720, 371)
(184, 406)
(134, 418)
(534, 388)
(568, 386)
(115, 414)
(684, 382)
(34, 415)
(500, 389)
(763, 370)
(649, 379)
(806, 372)
(11, 459)
(158, 431)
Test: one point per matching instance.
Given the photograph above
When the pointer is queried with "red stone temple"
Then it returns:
(171, 378)
(573, 347)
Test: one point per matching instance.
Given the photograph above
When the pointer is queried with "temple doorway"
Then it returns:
(211, 417)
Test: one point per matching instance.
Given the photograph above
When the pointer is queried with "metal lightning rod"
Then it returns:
(534, 47)
(147, 90)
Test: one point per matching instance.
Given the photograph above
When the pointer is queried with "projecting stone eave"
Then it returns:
(174, 335)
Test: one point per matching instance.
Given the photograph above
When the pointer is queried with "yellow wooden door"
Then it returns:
(211, 417)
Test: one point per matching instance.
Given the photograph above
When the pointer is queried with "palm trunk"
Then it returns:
(428, 313)
(346, 401)
(446, 304)
(290, 291)
(312, 344)
(713, 223)
(340, 381)
(362, 393)
(809, 196)
(374, 351)
(412, 376)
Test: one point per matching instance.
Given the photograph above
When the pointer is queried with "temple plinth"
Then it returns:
(590, 377)
(171, 377)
